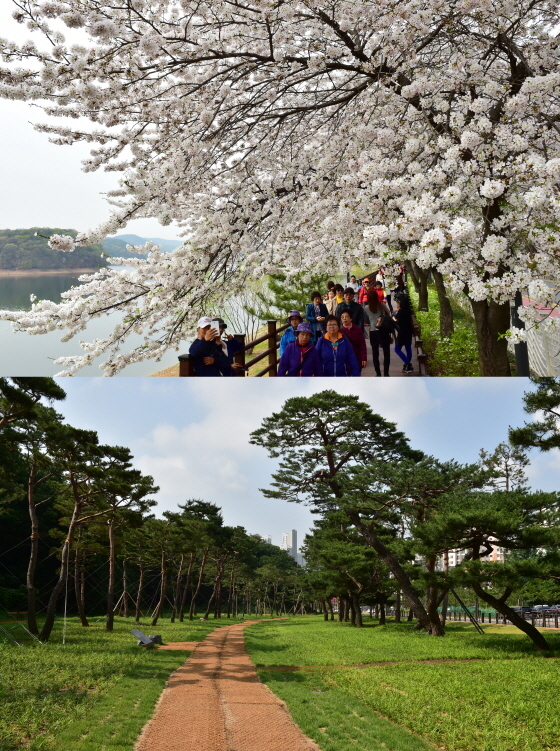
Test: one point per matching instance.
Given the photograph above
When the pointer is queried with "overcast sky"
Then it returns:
(42, 184)
(192, 434)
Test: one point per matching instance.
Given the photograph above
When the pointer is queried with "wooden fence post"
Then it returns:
(273, 356)
(185, 366)
(239, 357)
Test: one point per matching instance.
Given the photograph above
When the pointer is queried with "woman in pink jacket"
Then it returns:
(356, 337)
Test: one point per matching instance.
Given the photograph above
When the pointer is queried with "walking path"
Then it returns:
(395, 363)
(215, 702)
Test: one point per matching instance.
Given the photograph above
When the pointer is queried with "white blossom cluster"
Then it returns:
(296, 135)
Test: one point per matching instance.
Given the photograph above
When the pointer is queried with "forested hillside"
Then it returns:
(23, 249)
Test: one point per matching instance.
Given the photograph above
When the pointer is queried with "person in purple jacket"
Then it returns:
(300, 358)
(336, 353)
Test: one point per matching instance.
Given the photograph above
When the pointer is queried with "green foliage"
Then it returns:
(98, 688)
(543, 434)
(21, 249)
(453, 356)
(282, 296)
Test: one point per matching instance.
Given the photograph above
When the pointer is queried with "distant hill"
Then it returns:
(116, 246)
(20, 249)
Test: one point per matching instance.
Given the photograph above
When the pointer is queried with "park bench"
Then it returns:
(17, 613)
(146, 641)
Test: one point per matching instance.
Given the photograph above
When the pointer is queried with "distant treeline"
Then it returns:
(22, 249)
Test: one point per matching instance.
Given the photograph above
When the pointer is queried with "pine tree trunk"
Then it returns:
(357, 610)
(79, 587)
(195, 593)
(432, 625)
(161, 603)
(139, 593)
(446, 326)
(125, 589)
(491, 320)
(325, 611)
(34, 553)
(186, 587)
(111, 586)
(532, 632)
(177, 591)
(382, 619)
(398, 606)
(58, 587)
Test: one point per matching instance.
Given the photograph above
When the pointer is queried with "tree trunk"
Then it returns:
(421, 283)
(445, 601)
(159, 606)
(398, 606)
(230, 589)
(111, 587)
(139, 594)
(34, 553)
(357, 610)
(199, 583)
(432, 625)
(340, 609)
(532, 632)
(186, 587)
(177, 591)
(58, 587)
(352, 611)
(446, 327)
(79, 586)
(491, 320)
(382, 619)
(125, 589)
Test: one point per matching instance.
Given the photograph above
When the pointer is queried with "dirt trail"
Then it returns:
(215, 702)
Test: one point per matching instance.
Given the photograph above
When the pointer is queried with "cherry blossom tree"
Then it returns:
(285, 135)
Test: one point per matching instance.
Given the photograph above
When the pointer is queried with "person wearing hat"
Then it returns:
(364, 289)
(233, 345)
(208, 352)
(336, 353)
(294, 318)
(300, 357)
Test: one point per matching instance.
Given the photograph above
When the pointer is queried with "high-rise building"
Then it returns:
(267, 538)
(289, 543)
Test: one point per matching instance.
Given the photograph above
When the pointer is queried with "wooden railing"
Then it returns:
(272, 337)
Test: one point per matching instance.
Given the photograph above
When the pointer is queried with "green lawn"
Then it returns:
(332, 643)
(501, 695)
(92, 694)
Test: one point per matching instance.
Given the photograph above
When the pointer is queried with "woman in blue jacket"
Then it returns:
(290, 335)
(316, 313)
(336, 353)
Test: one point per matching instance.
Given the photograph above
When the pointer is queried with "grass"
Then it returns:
(501, 695)
(93, 693)
(325, 714)
(497, 705)
(294, 642)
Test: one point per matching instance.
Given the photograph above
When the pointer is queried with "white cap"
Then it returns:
(204, 321)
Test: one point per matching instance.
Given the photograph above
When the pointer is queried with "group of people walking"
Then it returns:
(329, 340)
(332, 341)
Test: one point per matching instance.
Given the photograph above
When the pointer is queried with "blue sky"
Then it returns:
(192, 435)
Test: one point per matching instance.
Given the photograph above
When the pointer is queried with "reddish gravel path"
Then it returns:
(215, 702)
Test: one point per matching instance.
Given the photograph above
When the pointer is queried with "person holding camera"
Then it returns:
(209, 354)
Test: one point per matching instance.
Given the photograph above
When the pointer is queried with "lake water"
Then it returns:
(25, 355)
